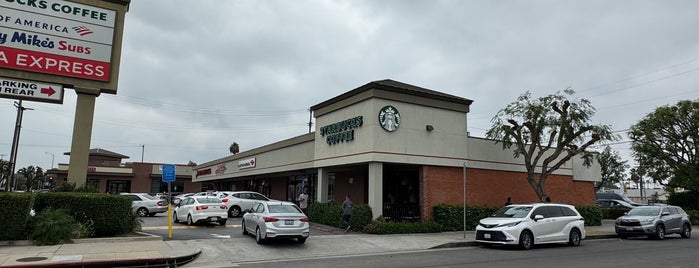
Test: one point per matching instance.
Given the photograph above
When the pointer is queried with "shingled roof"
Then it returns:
(398, 87)
(103, 152)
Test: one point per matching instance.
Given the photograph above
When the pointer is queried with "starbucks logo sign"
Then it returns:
(389, 118)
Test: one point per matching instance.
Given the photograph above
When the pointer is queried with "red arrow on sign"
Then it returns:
(48, 90)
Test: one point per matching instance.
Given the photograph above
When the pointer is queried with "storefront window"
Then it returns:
(118, 186)
(331, 187)
(297, 184)
(259, 185)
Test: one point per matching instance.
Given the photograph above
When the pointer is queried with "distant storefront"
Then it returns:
(108, 174)
(399, 148)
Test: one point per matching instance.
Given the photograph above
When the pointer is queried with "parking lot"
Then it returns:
(158, 225)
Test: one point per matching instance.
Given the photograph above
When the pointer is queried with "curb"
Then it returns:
(155, 262)
(474, 243)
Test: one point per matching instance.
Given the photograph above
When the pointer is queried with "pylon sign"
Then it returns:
(73, 43)
(28, 90)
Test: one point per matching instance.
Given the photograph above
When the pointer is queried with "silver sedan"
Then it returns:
(276, 219)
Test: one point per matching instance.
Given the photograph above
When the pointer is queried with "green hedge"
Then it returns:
(613, 213)
(591, 214)
(694, 217)
(104, 215)
(330, 214)
(687, 200)
(385, 227)
(16, 222)
(451, 217)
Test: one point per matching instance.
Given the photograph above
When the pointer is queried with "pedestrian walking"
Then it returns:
(303, 201)
(347, 212)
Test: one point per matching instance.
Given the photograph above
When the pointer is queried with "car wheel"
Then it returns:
(234, 212)
(686, 231)
(245, 231)
(189, 220)
(142, 212)
(222, 223)
(258, 236)
(301, 240)
(574, 238)
(174, 217)
(660, 232)
(526, 240)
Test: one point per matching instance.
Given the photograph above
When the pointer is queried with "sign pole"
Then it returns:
(168, 172)
(169, 210)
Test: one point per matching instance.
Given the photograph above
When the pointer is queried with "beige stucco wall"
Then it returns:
(411, 143)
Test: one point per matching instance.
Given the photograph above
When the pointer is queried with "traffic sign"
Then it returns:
(168, 173)
(30, 90)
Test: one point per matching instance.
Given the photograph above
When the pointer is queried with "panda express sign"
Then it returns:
(341, 131)
(63, 39)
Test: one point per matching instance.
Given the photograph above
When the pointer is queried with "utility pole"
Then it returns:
(15, 144)
(143, 149)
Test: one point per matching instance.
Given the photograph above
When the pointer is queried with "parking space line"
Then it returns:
(156, 228)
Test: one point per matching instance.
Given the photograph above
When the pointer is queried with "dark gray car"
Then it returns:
(654, 221)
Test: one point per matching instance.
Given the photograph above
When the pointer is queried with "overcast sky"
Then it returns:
(197, 76)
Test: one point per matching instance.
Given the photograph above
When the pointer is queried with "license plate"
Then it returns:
(213, 219)
(486, 236)
(288, 222)
(629, 228)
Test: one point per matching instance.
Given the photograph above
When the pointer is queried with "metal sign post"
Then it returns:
(169, 177)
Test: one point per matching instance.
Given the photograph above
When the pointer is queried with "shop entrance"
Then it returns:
(401, 192)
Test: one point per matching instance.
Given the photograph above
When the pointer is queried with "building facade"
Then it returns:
(107, 174)
(399, 148)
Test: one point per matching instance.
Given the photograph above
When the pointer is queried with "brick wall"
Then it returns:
(444, 185)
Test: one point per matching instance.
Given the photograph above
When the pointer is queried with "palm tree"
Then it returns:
(234, 149)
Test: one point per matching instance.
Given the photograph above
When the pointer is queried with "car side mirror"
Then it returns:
(665, 213)
(538, 217)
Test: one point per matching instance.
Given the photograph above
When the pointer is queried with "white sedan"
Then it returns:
(199, 209)
(276, 219)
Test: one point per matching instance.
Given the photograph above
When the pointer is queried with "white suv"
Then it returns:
(529, 224)
(240, 201)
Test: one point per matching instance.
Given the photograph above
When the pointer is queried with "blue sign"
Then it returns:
(168, 173)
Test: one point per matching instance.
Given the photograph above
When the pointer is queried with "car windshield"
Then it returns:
(208, 200)
(644, 211)
(512, 212)
(283, 209)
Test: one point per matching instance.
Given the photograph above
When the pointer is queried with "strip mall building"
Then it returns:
(399, 148)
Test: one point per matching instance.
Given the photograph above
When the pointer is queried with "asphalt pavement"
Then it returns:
(154, 251)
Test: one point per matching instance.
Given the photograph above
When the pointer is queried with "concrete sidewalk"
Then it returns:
(153, 251)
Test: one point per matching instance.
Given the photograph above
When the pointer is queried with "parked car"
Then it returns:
(200, 209)
(275, 220)
(239, 201)
(614, 203)
(529, 224)
(654, 221)
(616, 196)
(146, 205)
(176, 199)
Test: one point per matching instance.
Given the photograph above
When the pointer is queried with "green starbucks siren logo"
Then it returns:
(389, 118)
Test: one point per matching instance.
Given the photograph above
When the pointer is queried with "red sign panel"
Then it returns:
(53, 64)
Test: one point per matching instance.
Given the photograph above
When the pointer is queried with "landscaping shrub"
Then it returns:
(687, 200)
(331, 214)
(16, 221)
(592, 215)
(103, 215)
(385, 227)
(451, 217)
(54, 226)
(613, 213)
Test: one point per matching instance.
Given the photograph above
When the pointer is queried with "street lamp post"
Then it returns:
(52, 157)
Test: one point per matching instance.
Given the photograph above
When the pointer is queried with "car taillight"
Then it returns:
(225, 200)
(202, 207)
(224, 207)
(161, 203)
(304, 219)
(270, 219)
